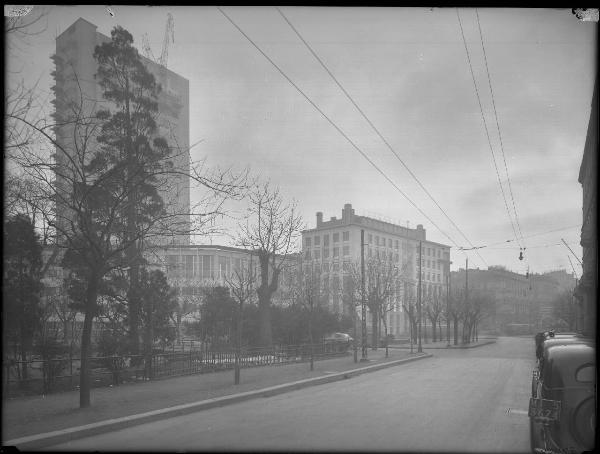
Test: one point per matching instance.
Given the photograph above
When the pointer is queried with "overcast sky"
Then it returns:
(407, 69)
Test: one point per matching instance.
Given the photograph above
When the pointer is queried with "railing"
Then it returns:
(39, 376)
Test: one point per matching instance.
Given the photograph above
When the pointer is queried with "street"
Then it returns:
(469, 400)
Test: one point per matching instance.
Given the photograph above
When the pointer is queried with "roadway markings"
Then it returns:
(516, 411)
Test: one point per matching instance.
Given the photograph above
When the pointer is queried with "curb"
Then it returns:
(34, 442)
(452, 347)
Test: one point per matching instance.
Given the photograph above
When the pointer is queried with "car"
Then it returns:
(338, 337)
(562, 410)
(555, 339)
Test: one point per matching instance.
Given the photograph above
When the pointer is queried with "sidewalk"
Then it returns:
(32, 415)
(443, 345)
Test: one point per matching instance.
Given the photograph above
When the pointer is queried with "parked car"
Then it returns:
(562, 408)
(338, 337)
(555, 339)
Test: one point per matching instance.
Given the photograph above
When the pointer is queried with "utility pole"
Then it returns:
(466, 293)
(420, 349)
(448, 304)
(362, 296)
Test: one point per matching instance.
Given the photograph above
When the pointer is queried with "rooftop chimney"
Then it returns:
(319, 218)
(347, 213)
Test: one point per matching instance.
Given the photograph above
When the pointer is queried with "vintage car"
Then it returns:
(550, 339)
(562, 410)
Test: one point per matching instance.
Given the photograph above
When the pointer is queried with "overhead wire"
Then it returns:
(336, 127)
(498, 128)
(527, 236)
(375, 129)
(485, 127)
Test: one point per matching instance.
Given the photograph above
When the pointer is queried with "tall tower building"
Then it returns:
(76, 87)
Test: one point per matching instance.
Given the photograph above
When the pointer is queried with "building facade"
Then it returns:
(191, 269)
(335, 247)
(78, 93)
(521, 304)
(587, 288)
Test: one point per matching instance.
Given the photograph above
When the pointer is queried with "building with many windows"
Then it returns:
(520, 303)
(76, 84)
(335, 245)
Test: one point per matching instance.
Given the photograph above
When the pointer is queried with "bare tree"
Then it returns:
(82, 196)
(433, 309)
(381, 276)
(308, 291)
(242, 288)
(271, 232)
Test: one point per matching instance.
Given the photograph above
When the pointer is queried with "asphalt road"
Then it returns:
(471, 400)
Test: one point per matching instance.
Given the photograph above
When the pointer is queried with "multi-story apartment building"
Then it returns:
(335, 245)
(520, 303)
(588, 285)
(78, 93)
(512, 304)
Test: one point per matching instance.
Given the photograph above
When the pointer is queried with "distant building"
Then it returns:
(587, 290)
(76, 82)
(191, 269)
(520, 303)
(335, 244)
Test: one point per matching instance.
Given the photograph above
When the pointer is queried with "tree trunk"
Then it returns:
(86, 340)
(134, 308)
(238, 344)
(264, 317)
(374, 337)
(433, 332)
(455, 330)
(310, 339)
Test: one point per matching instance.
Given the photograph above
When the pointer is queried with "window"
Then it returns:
(376, 241)
(189, 266)
(326, 267)
(396, 257)
(336, 267)
(317, 241)
(439, 251)
(207, 266)
(396, 246)
(346, 236)
(428, 265)
(389, 242)
(346, 251)
(336, 251)
(370, 238)
(336, 237)
(307, 242)
(428, 276)
(223, 266)
(326, 240)
(346, 266)
(317, 253)
(307, 254)
(325, 253)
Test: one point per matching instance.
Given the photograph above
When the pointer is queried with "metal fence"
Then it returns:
(39, 376)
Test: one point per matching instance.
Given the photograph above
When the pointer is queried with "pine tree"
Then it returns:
(130, 142)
